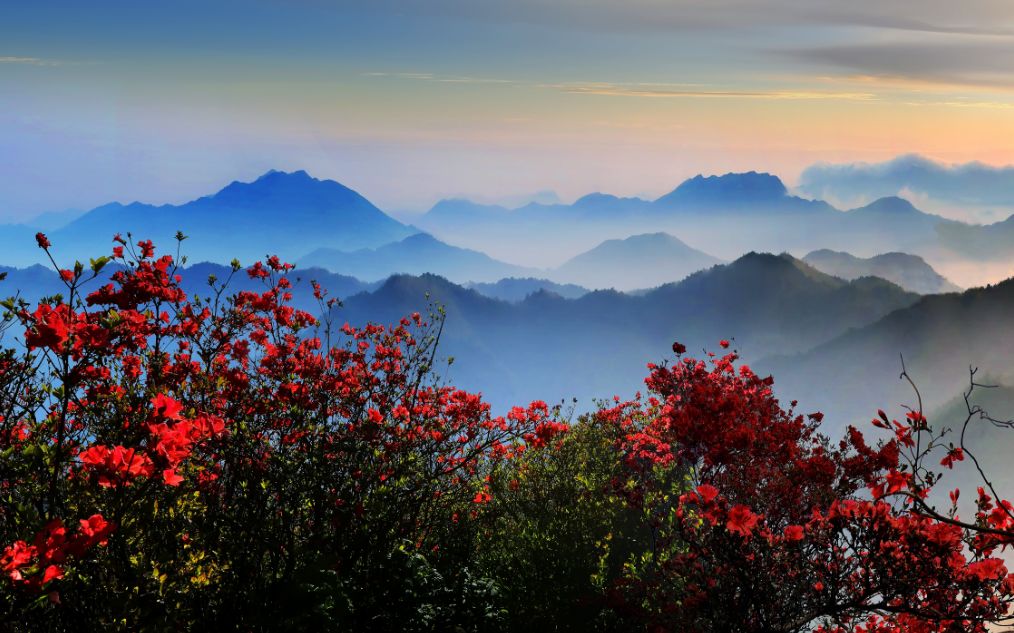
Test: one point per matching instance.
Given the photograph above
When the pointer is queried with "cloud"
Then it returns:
(29, 61)
(642, 89)
(972, 17)
(982, 63)
(692, 91)
(447, 79)
(917, 177)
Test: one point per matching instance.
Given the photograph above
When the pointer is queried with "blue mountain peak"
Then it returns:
(751, 187)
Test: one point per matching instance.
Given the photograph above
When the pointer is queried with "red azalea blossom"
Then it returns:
(741, 521)
(49, 328)
(953, 455)
(171, 477)
(707, 493)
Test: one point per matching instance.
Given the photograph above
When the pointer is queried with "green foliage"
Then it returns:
(557, 539)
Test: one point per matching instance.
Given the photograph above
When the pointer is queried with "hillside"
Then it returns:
(515, 289)
(416, 254)
(640, 261)
(597, 345)
(939, 336)
(911, 272)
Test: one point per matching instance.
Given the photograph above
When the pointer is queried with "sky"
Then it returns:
(411, 101)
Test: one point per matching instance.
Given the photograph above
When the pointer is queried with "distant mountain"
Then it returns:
(640, 261)
(281, 213)
(897, 213)
(52, 220)
(597, 345)
(979, 242)
(605, 207)
(939, 336)
(515, 289)
(416, 254)
(736, 190)
(461, 210)
(911, 272)
(726, 214)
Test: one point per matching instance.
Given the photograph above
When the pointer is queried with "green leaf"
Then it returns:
(99, 264)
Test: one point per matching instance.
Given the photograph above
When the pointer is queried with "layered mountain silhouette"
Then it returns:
(979, 242)
(416, 254)
(911, 272)
(595, 346)
(515, 289)
(640, 261)
(293, 214)
(281, 213)
(736, 193)
(939, 337)
(724, 215)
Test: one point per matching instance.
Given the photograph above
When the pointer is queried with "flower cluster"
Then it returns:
(783, 529)
(238, 441)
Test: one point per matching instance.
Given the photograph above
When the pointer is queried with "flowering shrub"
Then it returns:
(782, 530)
(175, 462)
(171, 460)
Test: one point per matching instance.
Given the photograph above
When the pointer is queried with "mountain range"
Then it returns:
(639, 261)
(938, 338)
(911, 272)
(416, 254)
(597, 345)
(523, 329)
(515, 289)
(724, 216)
(593, 346)
(287, 214)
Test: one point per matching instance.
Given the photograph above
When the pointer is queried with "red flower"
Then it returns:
(724, 343)
(96, 528)
(741, 521)
(166, 407)
(896, 481)
(988, 569)
(171, 477)
(679, 348)
(53, 572)
(794, 533)
(707, 493)
(50, 329)
(953, 455)
(42, 240)
(482, 497)
(117, 465)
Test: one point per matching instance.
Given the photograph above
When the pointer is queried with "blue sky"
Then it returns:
(412, 101)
